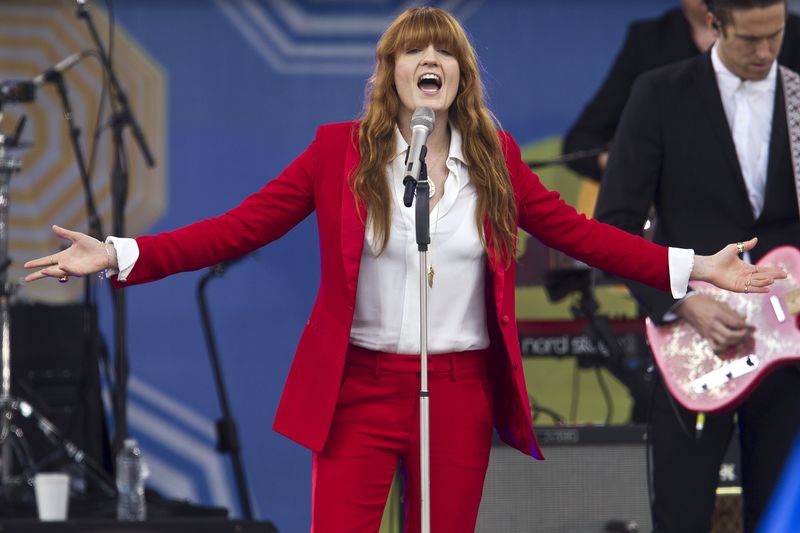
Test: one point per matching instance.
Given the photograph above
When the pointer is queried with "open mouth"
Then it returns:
(429, 83)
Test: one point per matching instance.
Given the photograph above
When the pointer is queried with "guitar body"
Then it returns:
(707, 382)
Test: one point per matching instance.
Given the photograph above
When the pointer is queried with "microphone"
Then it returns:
(422, 122)
(62, 66)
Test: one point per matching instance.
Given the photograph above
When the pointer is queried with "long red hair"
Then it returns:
(418, 27)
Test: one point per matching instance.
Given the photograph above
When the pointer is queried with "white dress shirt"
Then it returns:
(387, 300)
(387, 307)
(748, 107)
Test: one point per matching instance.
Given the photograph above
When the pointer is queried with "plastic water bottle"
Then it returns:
(131, 473)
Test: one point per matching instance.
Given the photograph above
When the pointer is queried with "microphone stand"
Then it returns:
(8, 431)
(566, 158)
(94, 222)
(422, 221)
(227, 433)
(122, 117)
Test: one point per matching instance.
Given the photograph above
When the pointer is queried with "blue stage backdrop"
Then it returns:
(244, 84)
(783, 514)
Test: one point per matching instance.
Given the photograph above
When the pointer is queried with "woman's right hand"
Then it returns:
(725, 270)
(85, 256)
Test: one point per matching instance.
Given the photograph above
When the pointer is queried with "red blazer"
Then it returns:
(317, 181)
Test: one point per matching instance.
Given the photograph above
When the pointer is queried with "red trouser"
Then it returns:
(376, 424)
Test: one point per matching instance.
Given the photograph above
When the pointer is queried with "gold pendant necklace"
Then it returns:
(430, 271)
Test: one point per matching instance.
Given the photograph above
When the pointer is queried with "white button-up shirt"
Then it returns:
(387, 300)
(748, 107)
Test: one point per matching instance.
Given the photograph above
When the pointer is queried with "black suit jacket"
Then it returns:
(673, 149)
(648, 45)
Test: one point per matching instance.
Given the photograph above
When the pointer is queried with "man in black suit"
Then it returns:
(706, 142)
(678, 34)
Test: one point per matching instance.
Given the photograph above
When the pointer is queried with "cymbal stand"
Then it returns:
(13, 445)
(8, 431)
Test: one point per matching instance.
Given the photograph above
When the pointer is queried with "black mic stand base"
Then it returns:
(13, 441)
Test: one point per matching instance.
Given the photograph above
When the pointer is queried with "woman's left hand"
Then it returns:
(725, 270)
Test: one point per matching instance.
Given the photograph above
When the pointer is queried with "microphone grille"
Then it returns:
(423, 116)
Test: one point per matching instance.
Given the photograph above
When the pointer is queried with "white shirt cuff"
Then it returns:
(681, 263)
(127, 254)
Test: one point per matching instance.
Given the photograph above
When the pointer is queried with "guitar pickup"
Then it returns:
(720, 376)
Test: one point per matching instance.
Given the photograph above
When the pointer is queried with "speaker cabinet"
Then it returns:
(593, 479)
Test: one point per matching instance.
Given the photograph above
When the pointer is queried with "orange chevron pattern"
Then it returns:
(35, 34)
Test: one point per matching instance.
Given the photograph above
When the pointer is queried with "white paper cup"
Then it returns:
(52, 495)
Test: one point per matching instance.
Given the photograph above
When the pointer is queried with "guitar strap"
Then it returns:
(791, 93)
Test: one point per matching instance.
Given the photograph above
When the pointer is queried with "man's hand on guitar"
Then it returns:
(725, 270)
(715, 321)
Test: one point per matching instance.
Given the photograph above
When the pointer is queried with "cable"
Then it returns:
(681, 423)
(98, 129)
(601, 381)
(111, 25)
(537, 409)
(648, 444)
(573, 405)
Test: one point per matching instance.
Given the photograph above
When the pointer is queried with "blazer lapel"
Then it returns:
(353, 225)
(778, 149)
(712, 104)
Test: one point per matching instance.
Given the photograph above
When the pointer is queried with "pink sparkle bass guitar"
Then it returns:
(706, 382)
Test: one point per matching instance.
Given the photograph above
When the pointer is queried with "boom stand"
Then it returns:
(95, 226)
(12, 439)
(123, 118)
(227, 433)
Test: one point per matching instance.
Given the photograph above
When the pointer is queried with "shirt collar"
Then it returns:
(455, 144)
(729, 82)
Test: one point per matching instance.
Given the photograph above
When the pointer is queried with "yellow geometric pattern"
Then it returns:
(36, 34)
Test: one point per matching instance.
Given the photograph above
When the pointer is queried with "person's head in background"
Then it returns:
(695, 10)
(696, 13)
(749, 33)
